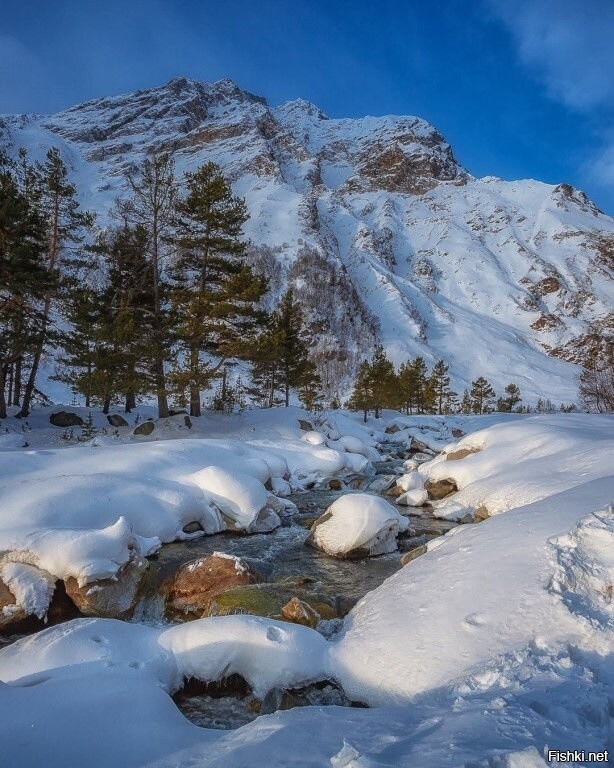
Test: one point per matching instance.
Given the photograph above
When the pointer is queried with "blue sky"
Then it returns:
(520, 88)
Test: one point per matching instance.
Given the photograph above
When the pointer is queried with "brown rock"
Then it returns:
(10, 612)
(115, 420)
(144, 429)
(481, 513)
(417, 446)
(456, 432)
(407, 557)
(335, 484)
(110, 598)
(461, 453)
(392, 429)
(439, 489)
(66, 419)
(196, 583)
(299, 612)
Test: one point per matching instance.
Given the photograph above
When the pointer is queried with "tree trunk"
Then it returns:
(106, 406)
(9, 397)
(364, 415)
(287, 391)
(130, 402)
(194, 388)
(2, 396)
(17, 382)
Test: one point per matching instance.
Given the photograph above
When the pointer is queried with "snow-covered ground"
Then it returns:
(494, 646)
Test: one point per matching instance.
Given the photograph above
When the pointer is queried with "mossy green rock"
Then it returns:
(266, 600)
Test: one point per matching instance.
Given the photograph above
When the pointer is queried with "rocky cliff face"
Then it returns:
(380, 230)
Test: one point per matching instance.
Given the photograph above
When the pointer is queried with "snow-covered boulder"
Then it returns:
(414, 498)
(24, 591)
(357, 525)
(112, 598)
(241, 499)
(314, 438)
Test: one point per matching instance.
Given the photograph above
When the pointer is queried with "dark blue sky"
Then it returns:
(520, 88)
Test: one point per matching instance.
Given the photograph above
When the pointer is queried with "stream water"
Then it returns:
(283, 557)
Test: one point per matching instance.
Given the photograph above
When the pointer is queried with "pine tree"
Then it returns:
(152, 206)
(65, 228)
(466, 405)
(376, 385)
(440, 383)
(281, 360)
(216, 294)
(363, 394)
(481, 395)
(109, 316)
(24, 279)
(409, 387)
(508, 403)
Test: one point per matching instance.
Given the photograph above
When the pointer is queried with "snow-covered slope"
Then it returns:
(381, 231)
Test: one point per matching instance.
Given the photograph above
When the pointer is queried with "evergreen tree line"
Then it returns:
(414, 388)
(156, 304)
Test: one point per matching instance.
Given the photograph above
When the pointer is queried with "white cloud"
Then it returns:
(568, 45)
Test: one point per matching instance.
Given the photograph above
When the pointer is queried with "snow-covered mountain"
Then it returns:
(382, 232)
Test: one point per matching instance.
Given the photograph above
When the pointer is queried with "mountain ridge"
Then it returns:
(382, 232)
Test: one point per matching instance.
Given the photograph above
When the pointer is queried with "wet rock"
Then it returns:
(110, 598)
(144, 429)
(335, 484)
(461, 453)
(306, 426)
(382, 483)
(193, 527)
(456, 432)
(267, 600)
(392, 429)
(407, 557)
(439, 489)
(115, 420)
(481, 513)
(66, 419)
(197, 582)
(417, 446)
(299, 612)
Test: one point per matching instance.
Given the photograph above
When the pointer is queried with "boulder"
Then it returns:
(193, 527)
(439, 489)
(110, 598)
(456, 432)
(392, 429)
(481, 514)
(417, 446)
(196, 583)
(415, 497)
(144, 429)
(461, 453)
(299, 612)
(267, 600)
(407, 557)
(335, 484)
(306, 426)
(10, 612)
(66, 419)
(115, 420)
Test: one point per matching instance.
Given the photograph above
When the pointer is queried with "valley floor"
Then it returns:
(489, 649)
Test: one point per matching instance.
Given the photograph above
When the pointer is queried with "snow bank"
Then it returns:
(525, 460)
(237, 495)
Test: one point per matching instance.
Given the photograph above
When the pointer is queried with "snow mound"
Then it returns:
(584, 571)
(358, 524)
(238, 496)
